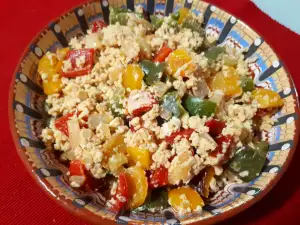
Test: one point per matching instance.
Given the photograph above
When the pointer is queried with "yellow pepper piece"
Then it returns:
(47, 67)
(115, 144)
(137, 155)
(227, 81)
(52, 86)
(267, 98)
(138, 186)
(62, 53)
(183, 12)
(133, 77)
(185, 197)
(177, 59)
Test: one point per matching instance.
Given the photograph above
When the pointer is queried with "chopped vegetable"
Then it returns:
(203, 180)
(158, 178)
(202, 107)
(61, 123)
(115, 144)
(120, 199)
(47, 67)
(184, 198)
(190, 23)
(163, 53)
(81, 60)
(138, 187)
(267, 98)
(247, 84)
(213, 52)
(118, 15)
(156, 21)
(201, 90)
(177, 59)
(171, 102)
(140, 102)
(223, 149)
(152, 71)
(157, 199)
(74, 130)
(133, 77)
(185, 133)
(183, 13)
(98, 25)
(76, 168)
(139, 157)
(215, 127)
(62, 53)
(248, 162)
(227, 81)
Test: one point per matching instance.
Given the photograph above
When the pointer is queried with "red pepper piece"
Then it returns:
(215, 127)
(77, 70)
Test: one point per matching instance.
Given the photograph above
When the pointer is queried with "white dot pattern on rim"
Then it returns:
(275, 64)
(232, 20)
(274, 170)
(80, 12)
(213, 8)
(24, 142)
(19, 108)
(285, 146)
(286, 91)
(290, 119)
(23, 78)
(38, 51)
(251, 192)
(257, 42)
(105, 3)
(79, 201)
(57, 28)
(45, 172)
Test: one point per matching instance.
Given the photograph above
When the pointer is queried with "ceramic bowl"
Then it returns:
(27, 116)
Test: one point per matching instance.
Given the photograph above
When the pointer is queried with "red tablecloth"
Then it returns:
(23, 202)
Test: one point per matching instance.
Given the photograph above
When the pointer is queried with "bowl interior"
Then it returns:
(28, 117)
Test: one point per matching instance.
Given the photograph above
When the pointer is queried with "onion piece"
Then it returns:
(74, 133)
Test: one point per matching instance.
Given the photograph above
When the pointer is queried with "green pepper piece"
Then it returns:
(115, 102)
(157, 199)
(175, 15)
(118, 15)
(248, 162)
(247, 84)
(190, 23)
(202, 107)
(156, 21)
(152, 71)
(171, 102)
(213, 52)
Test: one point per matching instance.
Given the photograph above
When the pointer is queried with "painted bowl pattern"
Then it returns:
(27, 116)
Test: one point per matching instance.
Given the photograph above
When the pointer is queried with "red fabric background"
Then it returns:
(23, 202)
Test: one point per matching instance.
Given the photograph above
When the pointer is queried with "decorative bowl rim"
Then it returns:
(95, 219)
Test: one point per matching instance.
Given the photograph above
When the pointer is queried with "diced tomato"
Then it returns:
(158, 178)
(185, 133)
(76, 168)
(163, 53)
(98, 25)
(85, 68)
(215, 127)
(122, 194)
(219, 149)
(140, 103)
(61, 123)
(142, 110)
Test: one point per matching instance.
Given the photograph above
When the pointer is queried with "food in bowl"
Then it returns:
(155, 110)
